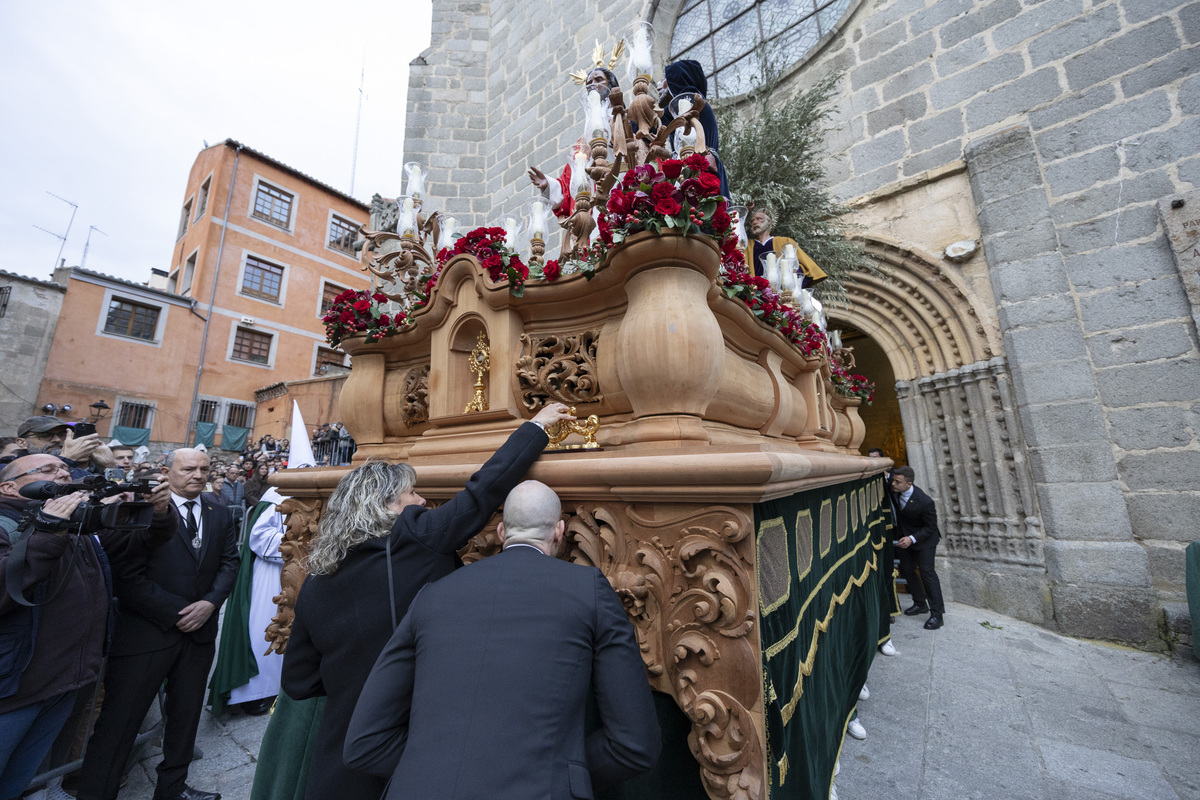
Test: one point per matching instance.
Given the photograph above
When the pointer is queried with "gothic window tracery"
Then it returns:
(724, 36)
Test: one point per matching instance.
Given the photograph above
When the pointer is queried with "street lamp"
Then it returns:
(99, 409)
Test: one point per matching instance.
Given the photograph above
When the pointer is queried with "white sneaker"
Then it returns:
(865, 694)
(888, 648)
(856, 729)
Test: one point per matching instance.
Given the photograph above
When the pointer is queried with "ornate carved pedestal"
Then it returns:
(704, 412)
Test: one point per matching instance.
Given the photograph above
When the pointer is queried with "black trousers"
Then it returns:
(130, 686)
(926, 589)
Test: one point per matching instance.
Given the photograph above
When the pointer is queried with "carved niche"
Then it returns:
(558, 367)
(416, 396)
(303, 515)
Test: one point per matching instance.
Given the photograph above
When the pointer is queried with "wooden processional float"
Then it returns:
(694, 416)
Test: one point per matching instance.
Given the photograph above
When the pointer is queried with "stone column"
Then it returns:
(1099, 577)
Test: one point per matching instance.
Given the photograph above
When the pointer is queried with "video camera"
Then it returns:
(93, 515)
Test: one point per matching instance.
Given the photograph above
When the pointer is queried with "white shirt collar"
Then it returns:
(523, 544)
(907, 493)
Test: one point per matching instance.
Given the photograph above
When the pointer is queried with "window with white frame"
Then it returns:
(184, 217)
(135, 415)
(342, 234)
(262, 279)
(252, 346)
(328, 357)
(273, 205)
(128, 318)
(206, 411)
(329, 293)
(188, 273)
(202, 199)
(240, 415)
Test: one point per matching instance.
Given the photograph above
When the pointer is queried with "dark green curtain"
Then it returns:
(131, 437)
(823, 565)
(206, 434)
(234, 438)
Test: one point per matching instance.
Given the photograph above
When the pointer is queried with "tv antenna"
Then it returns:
(358, 121)
(61, 237)
(88, 241)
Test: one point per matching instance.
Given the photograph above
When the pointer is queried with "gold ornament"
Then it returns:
(580, 76)
(481, 362)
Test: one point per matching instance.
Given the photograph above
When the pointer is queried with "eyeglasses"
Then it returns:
(48, 469)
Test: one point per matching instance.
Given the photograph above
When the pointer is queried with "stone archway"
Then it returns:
(960, 423)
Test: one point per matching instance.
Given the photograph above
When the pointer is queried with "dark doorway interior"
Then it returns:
(882, 418)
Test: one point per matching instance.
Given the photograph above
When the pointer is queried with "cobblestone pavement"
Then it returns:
(1010, 711)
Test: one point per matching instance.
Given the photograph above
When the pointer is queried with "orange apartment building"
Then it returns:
(260, 251)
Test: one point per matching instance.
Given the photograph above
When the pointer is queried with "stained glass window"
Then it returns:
(722, 35)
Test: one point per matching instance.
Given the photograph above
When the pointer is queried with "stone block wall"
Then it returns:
(1074, 118)
(26, 332)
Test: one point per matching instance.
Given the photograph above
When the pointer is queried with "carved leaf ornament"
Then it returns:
(558, 367)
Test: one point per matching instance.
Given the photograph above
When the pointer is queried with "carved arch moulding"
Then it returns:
(957, 399)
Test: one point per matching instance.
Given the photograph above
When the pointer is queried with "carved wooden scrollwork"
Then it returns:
(416, 396)
(686, 580)
(558, 367)
(303, 515)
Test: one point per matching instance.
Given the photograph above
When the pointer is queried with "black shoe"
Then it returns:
(189, 793)
(257, 708)
(915, 609)
(934, 622)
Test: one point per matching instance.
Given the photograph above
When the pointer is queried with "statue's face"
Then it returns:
(759, 223)
(597, 82)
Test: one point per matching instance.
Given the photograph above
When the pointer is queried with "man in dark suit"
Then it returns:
(481, 691)
(166, 630)
(919, 535)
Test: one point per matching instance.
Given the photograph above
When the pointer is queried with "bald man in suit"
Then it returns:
(482, 688)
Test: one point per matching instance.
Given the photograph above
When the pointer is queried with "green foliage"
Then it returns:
(773, 147)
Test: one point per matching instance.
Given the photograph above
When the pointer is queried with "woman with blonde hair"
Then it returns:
(377, 546)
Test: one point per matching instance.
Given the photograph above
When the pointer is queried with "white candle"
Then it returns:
(449, 225)
(510, 233)
(537, 219)
(685, 105)
(579, 173)
(772, 272)
(409, 220)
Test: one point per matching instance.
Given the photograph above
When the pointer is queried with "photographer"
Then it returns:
(60, 638)
(51, 436)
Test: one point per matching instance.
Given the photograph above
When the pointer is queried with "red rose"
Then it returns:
(697, 162)
(347, 316)
(517, 266)
(671, 167)
(668, 207)
(551, 270)
(492, 261)
(379, 297)
(661, 191)
(710, 184)
(362, 306)
(384, 320)
(605, 231)
(618, 202)
(721, 220)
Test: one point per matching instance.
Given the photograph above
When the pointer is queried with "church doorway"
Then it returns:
(885, 427)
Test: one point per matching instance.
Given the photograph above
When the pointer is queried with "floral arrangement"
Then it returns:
(671, 193)
(487, 245)
(354, 312)
(849, 385)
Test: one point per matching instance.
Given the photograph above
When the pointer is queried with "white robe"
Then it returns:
(265, 586)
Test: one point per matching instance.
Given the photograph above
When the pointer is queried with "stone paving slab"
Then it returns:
(964, 713)
(1014, 711)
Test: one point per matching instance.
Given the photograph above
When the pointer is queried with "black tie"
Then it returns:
(193, 526)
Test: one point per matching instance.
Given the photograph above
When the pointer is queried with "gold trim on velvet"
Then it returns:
(773, 565)
(804, 553)
(843, 515)
(826, 527)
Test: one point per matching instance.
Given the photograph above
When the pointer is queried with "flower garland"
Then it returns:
(766, 304)
(354, 312)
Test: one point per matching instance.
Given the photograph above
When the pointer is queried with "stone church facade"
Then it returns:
(1048, 380)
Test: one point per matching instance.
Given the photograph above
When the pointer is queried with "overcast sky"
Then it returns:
(107, 102)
